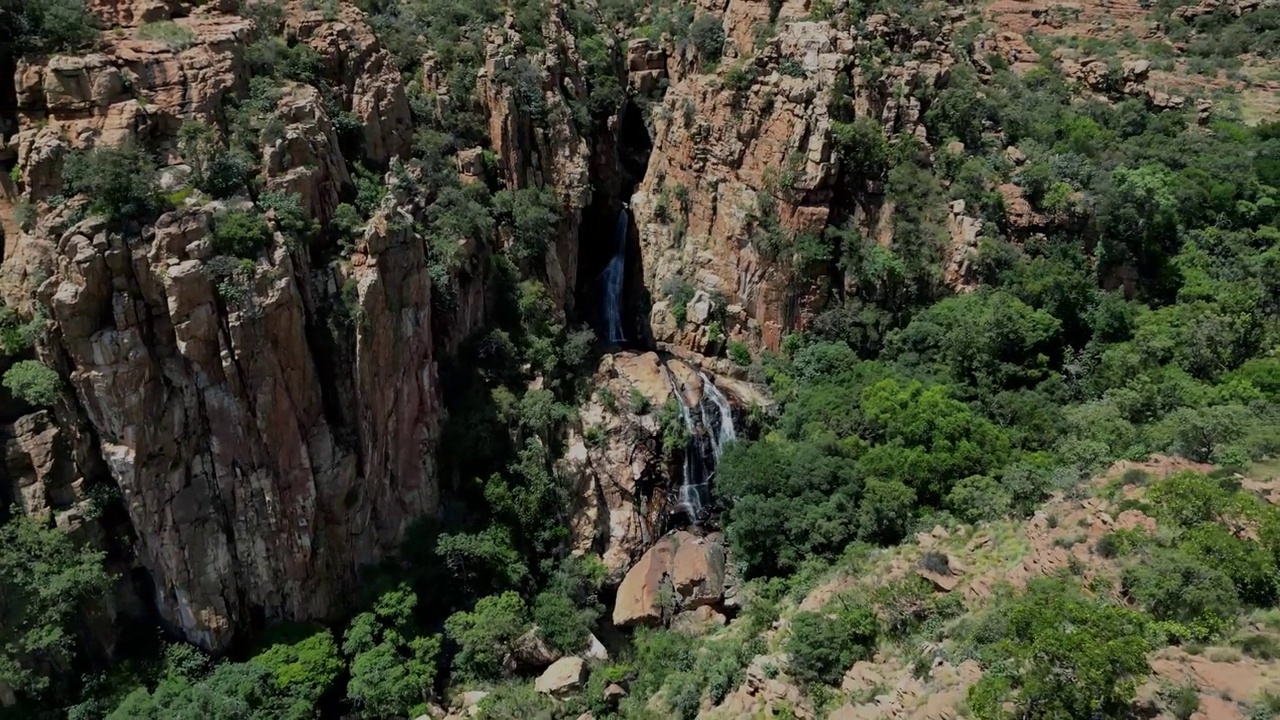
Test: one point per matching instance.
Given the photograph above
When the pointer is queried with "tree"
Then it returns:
(33, 382)
(49, 26)
(392, 668)
(484, 636)
(823, 645)
(304, 662)
(991, 340)
(978, 498)
(1178, 587)
(533, 214)
(233, 691)
(45, 580)
(240, 233)
(1201, 434)
(119, 182)
(885, 511)
(707, 35)
(1054, 655)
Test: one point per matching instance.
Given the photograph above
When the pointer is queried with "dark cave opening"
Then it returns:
(609, 281)
(8, 99)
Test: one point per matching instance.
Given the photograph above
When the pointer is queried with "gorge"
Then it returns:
(391, 359)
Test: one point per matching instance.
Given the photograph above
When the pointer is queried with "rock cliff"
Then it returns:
(273, 427)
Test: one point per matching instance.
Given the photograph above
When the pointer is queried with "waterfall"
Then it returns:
(611, 279)
(693, 485)
(709, 431)
(719, 423)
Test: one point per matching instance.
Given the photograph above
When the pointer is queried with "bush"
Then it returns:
(740, 77)
(707, 36)
(304, 661)
(119, 182)
(33, 382)
(1176, 587)
(739, 353)
(1054, 654)
(240, 233)
(822, 646)
(978, 498)
(485, 635)
(533, 214)
(48, 26)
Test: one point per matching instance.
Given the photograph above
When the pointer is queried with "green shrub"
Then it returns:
(533, 215)
(48, 26)
(639, 402)
(119, 182)
(739, 353)
(708, 38)
(240, 233)
(17, 336)
(740, 77)
(290, 217)
(485, 634)
(978, 498)
(304, 661)
(1054, 654)
(1180, 588)
(1182, 701)
(823, 645)
(1261, 647)
(33, 382)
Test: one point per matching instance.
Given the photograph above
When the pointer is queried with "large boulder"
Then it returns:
(565, 676)
(682, 571)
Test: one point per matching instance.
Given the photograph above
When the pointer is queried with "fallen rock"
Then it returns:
(698, 621)
(532, 650)
(680, 572)
(563, 677)
(614, 693)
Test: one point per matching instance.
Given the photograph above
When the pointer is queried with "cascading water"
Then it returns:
(719, 423)
(709, 430)
(611, 279)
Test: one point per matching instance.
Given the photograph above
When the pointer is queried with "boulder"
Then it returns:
(614, 693)
(565, 676)
(532, 650)
(680, 572)
(699, 621)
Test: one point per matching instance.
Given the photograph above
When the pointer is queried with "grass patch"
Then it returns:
(177, 37)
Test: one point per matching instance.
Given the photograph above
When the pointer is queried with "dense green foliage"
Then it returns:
(822, 646)
(45, 581)
(33, 382)
(48, 26)
(1054, 654)
(119, 182)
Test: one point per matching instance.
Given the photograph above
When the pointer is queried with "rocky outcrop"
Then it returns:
(534, 134)
(209, 411)
(132, 90)
(364, 74)
(617, 464)
(745, 160)
(260, 460)
(38, 465)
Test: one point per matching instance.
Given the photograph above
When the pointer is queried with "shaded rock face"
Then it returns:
(210, 415)
(258, 471)
(617, 464)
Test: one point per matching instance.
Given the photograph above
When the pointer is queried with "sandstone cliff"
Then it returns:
(273, 430)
